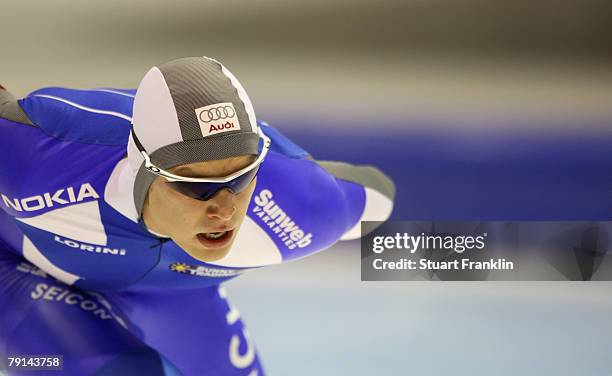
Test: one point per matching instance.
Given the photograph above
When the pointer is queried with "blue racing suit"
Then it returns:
(81, 276)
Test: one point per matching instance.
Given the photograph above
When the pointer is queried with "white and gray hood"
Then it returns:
(185, 111)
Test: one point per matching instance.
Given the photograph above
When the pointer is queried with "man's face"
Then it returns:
(193, 224)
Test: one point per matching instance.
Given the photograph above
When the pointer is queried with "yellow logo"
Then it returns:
(179, 267)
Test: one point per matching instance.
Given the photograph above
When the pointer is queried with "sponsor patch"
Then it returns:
(279, 222)
(202, 271)
(91, 302)
(90, 247)
(217, 118)
(60, 197)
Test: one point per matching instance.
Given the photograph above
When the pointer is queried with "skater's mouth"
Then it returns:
(215, 239)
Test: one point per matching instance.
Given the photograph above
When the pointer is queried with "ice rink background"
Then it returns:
(477, 109)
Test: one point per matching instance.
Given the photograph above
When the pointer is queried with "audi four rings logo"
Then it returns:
(217, 113)
(217, 118)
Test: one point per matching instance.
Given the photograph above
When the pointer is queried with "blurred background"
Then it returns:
(477, 109)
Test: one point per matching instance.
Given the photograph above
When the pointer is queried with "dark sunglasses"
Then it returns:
(205, 188)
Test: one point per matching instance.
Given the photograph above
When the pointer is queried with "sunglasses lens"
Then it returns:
(204, 191)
